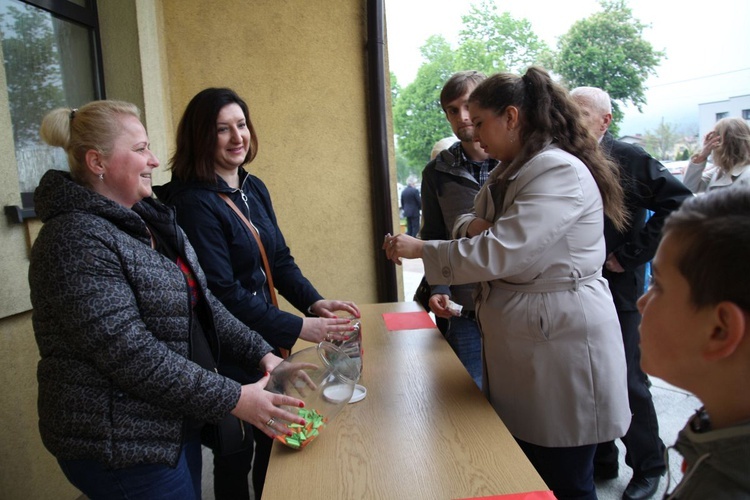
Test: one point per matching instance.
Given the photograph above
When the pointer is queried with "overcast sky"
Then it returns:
(707, 47)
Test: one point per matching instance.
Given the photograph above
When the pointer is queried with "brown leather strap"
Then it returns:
(269, 276)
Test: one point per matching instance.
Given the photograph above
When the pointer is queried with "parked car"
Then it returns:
(676, 168)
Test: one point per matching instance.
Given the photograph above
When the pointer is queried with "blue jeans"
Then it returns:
(464, 338)
(142, 482)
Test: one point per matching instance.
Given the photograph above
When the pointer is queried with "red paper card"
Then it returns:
(408, 321)
(531, 495)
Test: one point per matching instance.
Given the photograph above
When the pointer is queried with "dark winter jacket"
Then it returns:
(648, 185)
(230, 257)
(112, 321)
(448, 191)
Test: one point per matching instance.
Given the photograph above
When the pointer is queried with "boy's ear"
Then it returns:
(730, 329)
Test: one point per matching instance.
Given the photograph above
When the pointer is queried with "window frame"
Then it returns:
(87, 17)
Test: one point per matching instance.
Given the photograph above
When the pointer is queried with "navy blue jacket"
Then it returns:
(230, 257)
(411, 202)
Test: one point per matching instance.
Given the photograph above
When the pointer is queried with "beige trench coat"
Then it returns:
(552, 348)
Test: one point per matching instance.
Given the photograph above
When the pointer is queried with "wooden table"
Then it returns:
(423, 431)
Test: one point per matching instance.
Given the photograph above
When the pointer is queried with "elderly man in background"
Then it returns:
(648, 186)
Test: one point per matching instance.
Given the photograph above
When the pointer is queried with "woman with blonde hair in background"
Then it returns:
(728, 145)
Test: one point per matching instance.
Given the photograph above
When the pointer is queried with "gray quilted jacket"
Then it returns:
(112, 319)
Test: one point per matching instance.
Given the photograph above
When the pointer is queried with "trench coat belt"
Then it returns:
(562, 284)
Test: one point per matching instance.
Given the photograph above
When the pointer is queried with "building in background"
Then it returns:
(711, 112)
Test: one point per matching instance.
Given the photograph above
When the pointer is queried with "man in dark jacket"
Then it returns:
(411, 203)
(648, 186)
(449, 184)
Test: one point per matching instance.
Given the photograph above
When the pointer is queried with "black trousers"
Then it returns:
(644, 448)
(569, 472)
(412, 225)
(231, 471)
(231, 474)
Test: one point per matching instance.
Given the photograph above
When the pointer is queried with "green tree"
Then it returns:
(418, 118)
(404, 169)
(492, 41)
(395, 89)
(489, 42)
(32, 68)
(660, 143)
(607, 50)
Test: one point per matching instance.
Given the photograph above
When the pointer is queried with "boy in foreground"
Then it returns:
(695, 334)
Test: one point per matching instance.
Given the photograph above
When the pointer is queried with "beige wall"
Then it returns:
(27, 469)
(134, 69)
(301, 66)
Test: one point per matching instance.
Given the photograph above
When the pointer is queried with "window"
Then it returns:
(51, 57)
(719, 116)
(746, 114)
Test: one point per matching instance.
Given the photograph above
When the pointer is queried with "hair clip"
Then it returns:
(73, 113)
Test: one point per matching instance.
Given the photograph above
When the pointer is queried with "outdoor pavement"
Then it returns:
(673, 407)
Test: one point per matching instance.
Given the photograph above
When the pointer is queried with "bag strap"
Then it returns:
(269, 276)
(262, 249)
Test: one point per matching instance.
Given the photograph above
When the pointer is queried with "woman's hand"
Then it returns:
(477, 226)
(294, 377)
(326, 308)
(402, 246)
(710, 142)
(261, 408)
(319, 329)
(269, 362)
(439, 306)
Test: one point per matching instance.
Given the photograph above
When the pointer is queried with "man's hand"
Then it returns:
(439, 305)
(612, 265)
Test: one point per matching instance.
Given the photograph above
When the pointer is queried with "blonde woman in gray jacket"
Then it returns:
(728, 144)
(553, 359)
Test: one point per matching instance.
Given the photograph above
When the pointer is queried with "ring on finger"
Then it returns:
(270, 422)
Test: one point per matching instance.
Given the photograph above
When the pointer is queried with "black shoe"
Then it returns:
(641, 488)
(604, 471)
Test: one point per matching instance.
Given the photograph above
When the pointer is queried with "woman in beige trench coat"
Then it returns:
(554, 364)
